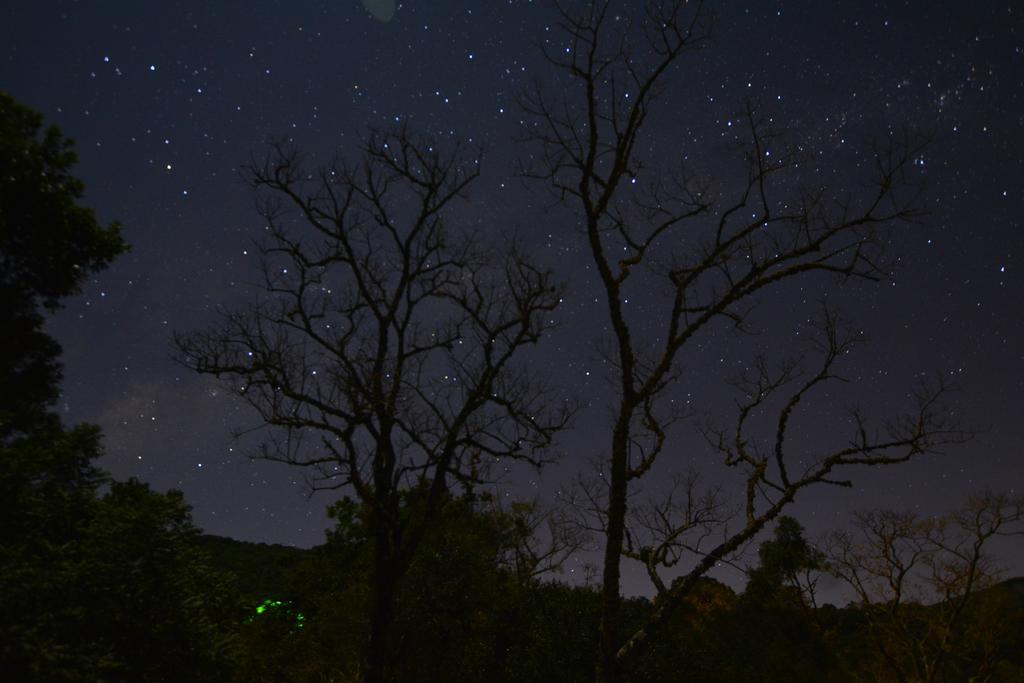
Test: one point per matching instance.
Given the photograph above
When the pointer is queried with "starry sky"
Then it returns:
(166, 100)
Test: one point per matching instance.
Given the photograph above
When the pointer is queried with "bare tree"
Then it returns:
(710, 253)
(899, 562)
(382, 351)
(545, 539)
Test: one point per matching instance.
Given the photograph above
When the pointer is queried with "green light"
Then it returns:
(267, 604)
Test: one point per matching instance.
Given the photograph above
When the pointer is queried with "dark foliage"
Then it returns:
(49, 242)
(103, 586)
(463, 616)
(463, 612)
(260, 569)
(99, 580)
(48, 245)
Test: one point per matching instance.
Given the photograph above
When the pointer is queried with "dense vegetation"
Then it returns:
(465, 616)
(99, 579)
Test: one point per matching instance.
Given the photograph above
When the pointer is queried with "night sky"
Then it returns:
(166, 100)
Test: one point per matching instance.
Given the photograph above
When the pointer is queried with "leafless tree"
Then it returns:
(545, 539)
(702, 255)
(382, 352)
(663, 528)
(916, 579)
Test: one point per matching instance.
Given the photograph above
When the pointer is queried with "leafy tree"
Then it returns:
(776, 616)
(787, 569)
(154, 598)
(125, 596)
(99, 580)
(675, 256)
(385, 350)
(49, 487)
(47, 478)
(49, 244)
(769, 633)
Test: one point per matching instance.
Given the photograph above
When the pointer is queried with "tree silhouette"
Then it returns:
(49, 244)
(787, 568)
(899, 562)
(384, 349)
(710, 254)
(99, 580)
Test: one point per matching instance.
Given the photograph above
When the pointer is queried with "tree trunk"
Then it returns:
(607, 669)
(382, 617)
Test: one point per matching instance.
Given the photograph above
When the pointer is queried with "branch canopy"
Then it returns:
(382, 348)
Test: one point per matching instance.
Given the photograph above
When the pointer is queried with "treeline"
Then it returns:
(132, 592)
(465, 614)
